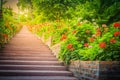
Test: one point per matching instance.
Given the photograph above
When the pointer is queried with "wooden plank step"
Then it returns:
(24, 52)
(29, 58)
(26, 55)
(27, 50)
(32, 67)
(34, 73)
(37, 78)
(22, 62)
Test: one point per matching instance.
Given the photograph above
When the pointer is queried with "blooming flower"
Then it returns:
(5, 35)
(112, 41)
(86, 44)
(57, 20)
(63, 37)
(72, 49)
(102, 45)
(89, 46)
(74, 31)
(116, 33)
(98, 30)
(91, 39)
(116, 25)
(69, 46)
(87, 31)
(98, 33)
(104, 25)
(79, 24)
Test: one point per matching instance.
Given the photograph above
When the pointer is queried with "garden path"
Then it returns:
(26, 57)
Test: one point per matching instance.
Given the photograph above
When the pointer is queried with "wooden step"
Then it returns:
(22, 62)
(34, 73)
(24, 51)
(37, 78)
(28, 58)
(26, 55)
(32, 67)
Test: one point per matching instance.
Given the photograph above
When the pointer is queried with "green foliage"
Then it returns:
(56, 9)
(79, 25)
(26, 8)
(8, 26)
(92, 43)
(103, 11)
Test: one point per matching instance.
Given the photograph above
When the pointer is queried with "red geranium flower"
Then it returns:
(102, 45)
(98, 33)
(87, 31)
(79, 24)
(5, 35)
(116, 25)
(112, 41)
(69, 46)
(116, 34)
(91, 39)
(74, 31)
(72, 49)
(57, 20)
(86, 44)
(98, 30)
(63, 37)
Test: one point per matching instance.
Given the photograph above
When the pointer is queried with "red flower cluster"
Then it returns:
(87, 31)
(5, 35)
(63, 37)
(86, 44)
(102, 45)
(91, 39)
(57, 20)
(74, 31)
(116, 25)
(112, 41)
(98, 33)
(79, 24)
(98, 30)
(70, 46)
(116, 33)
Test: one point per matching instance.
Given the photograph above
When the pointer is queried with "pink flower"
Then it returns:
(104, 25)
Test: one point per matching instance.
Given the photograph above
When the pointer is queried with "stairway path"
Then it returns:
(26, 58)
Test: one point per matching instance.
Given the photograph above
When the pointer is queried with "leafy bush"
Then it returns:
(8, 26)
(90, 42)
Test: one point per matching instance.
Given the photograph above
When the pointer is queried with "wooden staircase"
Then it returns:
(27, 58)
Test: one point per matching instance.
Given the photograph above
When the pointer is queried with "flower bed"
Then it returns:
(90, 42)
(95, 47)
(7, 31)
(82, 40)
